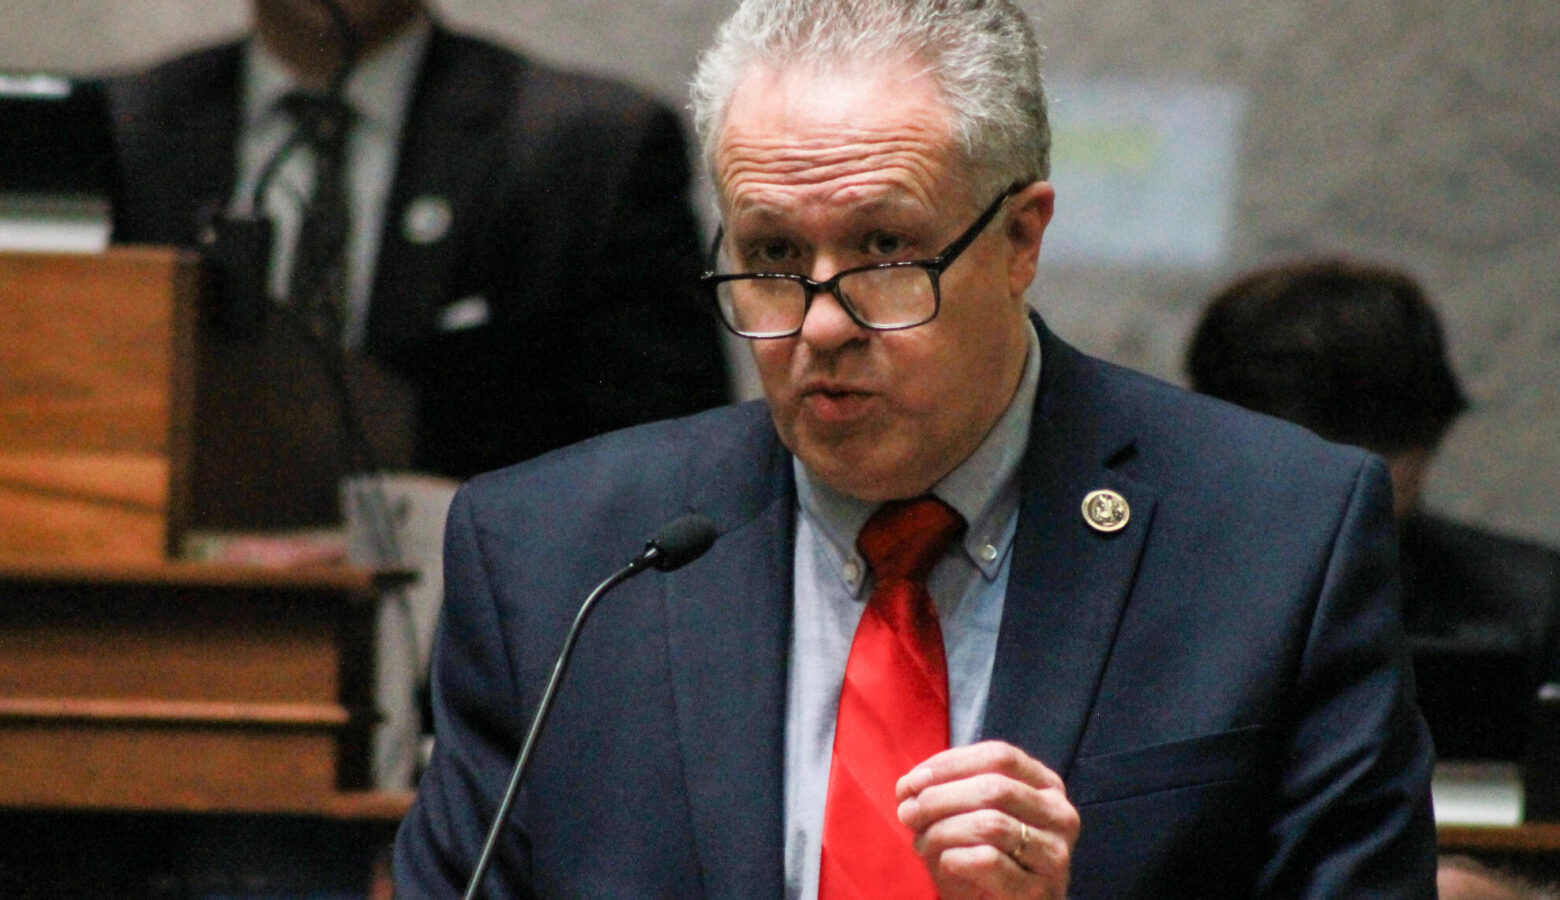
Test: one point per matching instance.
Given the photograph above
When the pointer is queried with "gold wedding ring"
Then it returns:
(1023, 841)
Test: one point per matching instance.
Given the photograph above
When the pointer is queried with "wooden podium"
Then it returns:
(127, 681)
(126, 420)
(96, 404)
(185, 686)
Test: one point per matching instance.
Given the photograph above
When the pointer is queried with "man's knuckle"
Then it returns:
(999, 790)
(974, 861)
(1057, 853)
(1069, 820)
(1004, 757)
(991, 825)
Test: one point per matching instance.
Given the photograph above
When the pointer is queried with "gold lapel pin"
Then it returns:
(1106, 511)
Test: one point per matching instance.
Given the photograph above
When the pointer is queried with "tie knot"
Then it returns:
(905, 538)
(322, 119)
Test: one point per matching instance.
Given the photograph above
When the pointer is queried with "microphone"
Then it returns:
(679, 542)
(237, 251)
(674, 545)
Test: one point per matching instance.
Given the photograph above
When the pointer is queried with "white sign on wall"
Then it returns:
(1145, 172)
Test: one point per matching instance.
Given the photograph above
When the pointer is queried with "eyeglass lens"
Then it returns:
(880, 298)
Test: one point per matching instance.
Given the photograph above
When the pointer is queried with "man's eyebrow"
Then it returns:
(765, 215)
(761, 215)
(886, 203)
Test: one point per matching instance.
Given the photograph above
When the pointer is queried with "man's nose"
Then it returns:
(827, 326)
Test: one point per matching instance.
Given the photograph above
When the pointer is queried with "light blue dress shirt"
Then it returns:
(831, 582)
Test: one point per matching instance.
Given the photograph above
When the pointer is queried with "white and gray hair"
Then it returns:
(982, 54)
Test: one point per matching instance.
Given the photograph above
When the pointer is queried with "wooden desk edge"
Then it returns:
(388, 807)
(369, 807)
(176, 573)
(1529, 837)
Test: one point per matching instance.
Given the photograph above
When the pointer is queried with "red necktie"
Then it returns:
(893, 707)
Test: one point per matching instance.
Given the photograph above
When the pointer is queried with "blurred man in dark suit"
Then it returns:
(519, 248)
(1355, 353)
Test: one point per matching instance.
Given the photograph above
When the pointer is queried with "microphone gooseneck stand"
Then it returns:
(676, 544)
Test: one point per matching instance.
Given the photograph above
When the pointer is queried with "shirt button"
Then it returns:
(852, 571)
(988, 553)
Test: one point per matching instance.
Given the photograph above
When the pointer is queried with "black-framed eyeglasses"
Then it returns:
(883, 296)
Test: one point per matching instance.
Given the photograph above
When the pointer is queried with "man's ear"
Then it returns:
(1029, 212)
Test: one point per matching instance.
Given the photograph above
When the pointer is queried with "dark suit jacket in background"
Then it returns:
(1481, 615)
(572, 221)
(1222, 684)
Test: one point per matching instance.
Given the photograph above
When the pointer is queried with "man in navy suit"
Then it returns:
(522, 252)
(1169, 629)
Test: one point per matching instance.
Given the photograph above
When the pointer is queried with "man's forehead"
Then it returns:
(871, 139)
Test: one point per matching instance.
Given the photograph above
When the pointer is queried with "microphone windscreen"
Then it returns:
(681, 541)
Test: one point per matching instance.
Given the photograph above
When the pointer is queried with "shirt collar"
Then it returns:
(983, 488)
(377, 90)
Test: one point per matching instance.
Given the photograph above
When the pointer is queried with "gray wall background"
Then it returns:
(1425, 133)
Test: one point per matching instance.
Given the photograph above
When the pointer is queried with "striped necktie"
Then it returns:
(318, 285)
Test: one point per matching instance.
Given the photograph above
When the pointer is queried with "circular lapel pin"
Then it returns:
(427, 219)
(1106, 511)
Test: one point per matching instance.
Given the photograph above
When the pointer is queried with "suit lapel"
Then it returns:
(210, 147)
(729, 623)
(450, 141)
(178, 127)
(1069, 583)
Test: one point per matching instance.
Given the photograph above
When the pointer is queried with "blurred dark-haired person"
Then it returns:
(1354, 351)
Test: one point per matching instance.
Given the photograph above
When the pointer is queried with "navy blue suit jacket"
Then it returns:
(1222, 684)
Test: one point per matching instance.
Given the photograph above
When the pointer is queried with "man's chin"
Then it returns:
(869, 474)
